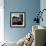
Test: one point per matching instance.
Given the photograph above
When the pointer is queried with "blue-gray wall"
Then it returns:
(28, 6)
(43, 6)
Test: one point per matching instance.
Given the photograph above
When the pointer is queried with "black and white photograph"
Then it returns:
(17, 19)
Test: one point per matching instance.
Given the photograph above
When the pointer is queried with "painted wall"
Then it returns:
(43, 6)
(28, 6)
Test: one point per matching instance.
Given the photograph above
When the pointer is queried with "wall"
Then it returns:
(43, 6)
(28, 6)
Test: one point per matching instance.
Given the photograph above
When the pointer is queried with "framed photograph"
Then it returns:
(17, 19)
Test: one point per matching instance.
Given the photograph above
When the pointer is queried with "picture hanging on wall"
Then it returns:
(17, 19)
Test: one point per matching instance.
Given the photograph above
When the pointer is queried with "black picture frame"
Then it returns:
(17, 19)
